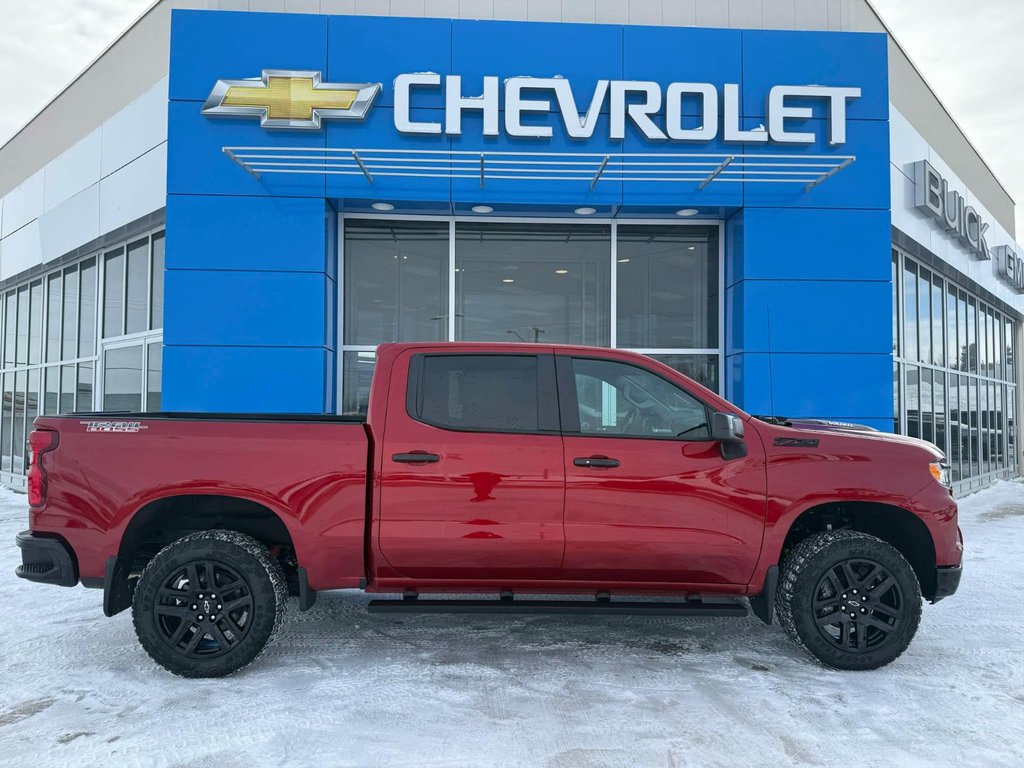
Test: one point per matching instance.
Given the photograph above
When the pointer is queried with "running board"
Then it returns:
(577, 607)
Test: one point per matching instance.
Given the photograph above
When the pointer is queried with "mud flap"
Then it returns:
(763, 605)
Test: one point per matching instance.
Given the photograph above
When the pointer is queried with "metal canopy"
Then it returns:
(583, 167)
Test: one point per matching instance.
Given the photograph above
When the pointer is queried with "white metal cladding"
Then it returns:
(588, 167)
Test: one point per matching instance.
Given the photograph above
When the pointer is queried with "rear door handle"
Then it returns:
(595, 462)
(416, 457)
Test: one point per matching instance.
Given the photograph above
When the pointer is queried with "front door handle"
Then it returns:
(416, 457)
(595, 462)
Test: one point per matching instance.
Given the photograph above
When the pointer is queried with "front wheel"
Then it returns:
(849, 599)
(208, 604)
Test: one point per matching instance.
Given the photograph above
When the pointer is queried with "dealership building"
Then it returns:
(237, 201)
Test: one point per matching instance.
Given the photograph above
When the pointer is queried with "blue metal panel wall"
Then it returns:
(251, 263)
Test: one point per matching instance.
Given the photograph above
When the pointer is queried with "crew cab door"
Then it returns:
(472, 477)
(649, 496)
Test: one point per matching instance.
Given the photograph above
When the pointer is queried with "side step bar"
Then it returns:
(572, 607)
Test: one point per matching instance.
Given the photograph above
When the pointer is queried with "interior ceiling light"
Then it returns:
(383, 207)
(561, 271)
(508, 280)
(687, 212)
(586, 211)
(623, 261)
(482, 209)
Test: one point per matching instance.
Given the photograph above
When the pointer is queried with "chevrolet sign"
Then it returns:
(299, 99)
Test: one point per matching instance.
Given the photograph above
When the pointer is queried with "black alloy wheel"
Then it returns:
(208, 604)
(204, 610)
(849, 599)
(858, 605)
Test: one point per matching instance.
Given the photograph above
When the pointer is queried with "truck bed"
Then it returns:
(112, 468)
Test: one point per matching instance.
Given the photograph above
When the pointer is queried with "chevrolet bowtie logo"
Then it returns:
(284, 98)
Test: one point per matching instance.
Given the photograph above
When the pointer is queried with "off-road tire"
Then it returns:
(253, 591)
(803, 601)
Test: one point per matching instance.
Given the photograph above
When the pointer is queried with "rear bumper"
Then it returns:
(947, 580)
(46, 559)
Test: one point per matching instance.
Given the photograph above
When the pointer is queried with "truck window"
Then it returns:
(485, 393)
(624, 400)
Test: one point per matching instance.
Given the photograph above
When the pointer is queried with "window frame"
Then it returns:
(547, 410)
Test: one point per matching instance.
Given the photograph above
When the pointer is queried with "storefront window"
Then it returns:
(667, 287)
(545, 283)
(401, 270)
(51, 351)
(960, 396)
(122, 379)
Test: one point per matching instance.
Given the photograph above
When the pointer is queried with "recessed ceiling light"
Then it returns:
(482, 209)
(383, 207)
(508, 280)
(687, 212)
(561, 271)
(623, 261)
(586, 211)
(692, 248)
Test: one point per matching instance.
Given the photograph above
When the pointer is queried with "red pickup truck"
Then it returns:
(519, 471)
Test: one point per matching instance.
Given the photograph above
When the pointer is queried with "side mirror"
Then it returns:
(726, 428)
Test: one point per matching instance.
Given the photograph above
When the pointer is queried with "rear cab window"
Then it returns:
(512, 393)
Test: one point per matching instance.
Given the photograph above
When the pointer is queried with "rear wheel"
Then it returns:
(849, 599)
(208, 604)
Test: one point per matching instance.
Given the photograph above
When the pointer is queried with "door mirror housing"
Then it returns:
(726, 428)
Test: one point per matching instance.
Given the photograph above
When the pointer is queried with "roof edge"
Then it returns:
(81, 73)
(942, 104)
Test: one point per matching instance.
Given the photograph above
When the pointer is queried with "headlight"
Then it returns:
(940, 472)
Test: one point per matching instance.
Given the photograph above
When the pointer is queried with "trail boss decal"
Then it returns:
(113, 426)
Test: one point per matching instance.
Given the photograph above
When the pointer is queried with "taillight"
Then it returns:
(40, 441)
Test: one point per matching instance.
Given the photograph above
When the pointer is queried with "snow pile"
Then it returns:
(342, 688)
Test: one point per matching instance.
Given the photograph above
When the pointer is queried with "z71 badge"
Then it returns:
(113, 426)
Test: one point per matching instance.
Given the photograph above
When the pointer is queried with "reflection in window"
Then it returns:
(701, 368)
(356, 374)
(397, 274)
(83, 397)
(18, 449)
(137, 314)
(617, 399)
(113, 294)
(21, 356)
(35, 325)
(156, 300)
(68, 387)
(154, 376)
(925, 400)
(913, 401)
(51, 391)
(667, 287)
(69, 349)
(10, 327)
(910, 311)
(87, 310)
(955, 436)
(924, 321)
(7, 422)
(533, 282)
(54, 301)
(122, 379)
(480, 392)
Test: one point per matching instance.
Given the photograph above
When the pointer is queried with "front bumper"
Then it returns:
(947, 580)
(46, 559)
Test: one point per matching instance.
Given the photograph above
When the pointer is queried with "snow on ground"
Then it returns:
(342, 688)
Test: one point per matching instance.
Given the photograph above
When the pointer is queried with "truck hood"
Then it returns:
(861, 432)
